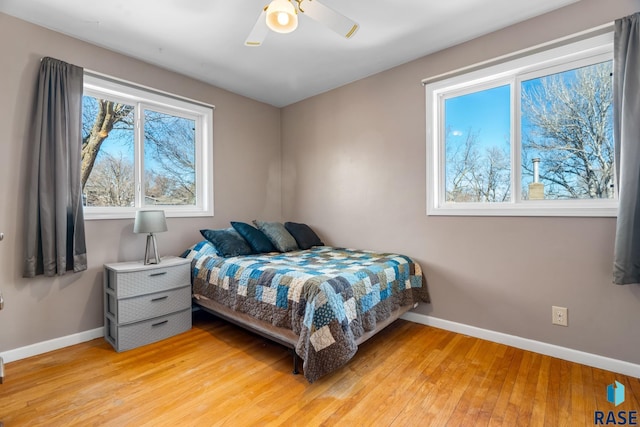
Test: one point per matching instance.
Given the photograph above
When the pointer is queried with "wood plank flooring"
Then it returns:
(219, 374)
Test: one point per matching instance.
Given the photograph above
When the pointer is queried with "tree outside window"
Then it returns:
(142, 148)
(567, 124)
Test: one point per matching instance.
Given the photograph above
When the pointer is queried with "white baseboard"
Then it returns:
(54, 344)
(589, 359)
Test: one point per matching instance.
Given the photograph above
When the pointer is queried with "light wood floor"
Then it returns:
(218, 374)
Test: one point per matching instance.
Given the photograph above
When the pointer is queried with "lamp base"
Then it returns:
(151, 253)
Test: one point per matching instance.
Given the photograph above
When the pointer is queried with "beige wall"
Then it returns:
(45, 308)
(354, 168)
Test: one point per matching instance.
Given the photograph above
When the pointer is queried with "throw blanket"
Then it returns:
(328, 296)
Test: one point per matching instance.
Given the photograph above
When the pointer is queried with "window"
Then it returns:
(144, 149)
(532, 136)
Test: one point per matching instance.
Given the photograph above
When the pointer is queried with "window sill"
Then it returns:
(529, 209)
(94, 214)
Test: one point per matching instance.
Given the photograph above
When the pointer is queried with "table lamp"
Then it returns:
(150, 222)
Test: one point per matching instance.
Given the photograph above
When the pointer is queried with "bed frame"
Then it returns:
(282, 336)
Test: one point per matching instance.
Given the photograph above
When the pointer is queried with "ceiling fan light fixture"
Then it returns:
(282, 16)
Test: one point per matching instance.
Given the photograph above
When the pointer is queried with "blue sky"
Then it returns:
(486, 113)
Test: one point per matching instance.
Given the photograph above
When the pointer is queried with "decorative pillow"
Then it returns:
(227, 241)
(199, 250)
(304, 235)
(256, 238)
(279, 236)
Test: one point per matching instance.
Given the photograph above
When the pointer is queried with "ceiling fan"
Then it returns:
(281, 16)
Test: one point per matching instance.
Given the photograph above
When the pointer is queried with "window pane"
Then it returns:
(169, 159)
(477, 146)
(107, 153)
(567, 134)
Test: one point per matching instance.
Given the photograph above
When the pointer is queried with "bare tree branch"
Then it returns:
(570, 130)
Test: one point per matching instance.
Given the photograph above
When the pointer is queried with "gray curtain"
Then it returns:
(54, 221)
(626, 130)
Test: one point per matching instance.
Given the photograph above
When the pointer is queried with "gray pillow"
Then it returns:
(278, 235)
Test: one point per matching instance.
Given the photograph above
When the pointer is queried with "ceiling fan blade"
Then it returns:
(259, 31)
(329, 17)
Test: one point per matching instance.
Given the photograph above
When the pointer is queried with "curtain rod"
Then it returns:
(92, 73)
(592, 32)
(147, 88)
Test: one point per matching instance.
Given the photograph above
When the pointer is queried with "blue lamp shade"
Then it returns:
(150, 222)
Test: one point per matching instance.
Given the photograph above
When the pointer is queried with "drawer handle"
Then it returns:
(160, 298)
(159, 323)
(158, 274)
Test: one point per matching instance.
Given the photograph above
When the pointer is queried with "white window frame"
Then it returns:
(583, 52)
(146, 98)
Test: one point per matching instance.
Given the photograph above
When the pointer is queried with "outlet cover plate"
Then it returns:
(559, 316)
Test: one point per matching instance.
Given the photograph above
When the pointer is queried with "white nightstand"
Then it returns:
(146, 303)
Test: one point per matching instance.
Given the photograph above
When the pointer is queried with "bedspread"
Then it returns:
(327, 296)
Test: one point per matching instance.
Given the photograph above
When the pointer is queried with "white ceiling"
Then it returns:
(204, 39)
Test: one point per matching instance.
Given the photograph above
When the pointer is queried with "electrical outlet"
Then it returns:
(559, 316)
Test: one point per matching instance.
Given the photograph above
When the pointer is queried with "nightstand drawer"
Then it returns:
(150, 305)
(132, 283)
(126, 337)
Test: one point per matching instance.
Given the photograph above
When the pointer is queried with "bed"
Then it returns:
(320, 302)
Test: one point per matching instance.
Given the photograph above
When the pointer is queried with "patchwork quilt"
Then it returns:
(328, 296)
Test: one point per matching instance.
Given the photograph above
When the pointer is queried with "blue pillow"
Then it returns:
(278, 235)
(227, 242)
(304, 235)
(256, 238)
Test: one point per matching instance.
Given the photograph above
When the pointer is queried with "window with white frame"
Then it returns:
(144, 149)
(532, 136)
